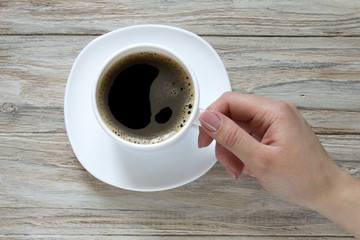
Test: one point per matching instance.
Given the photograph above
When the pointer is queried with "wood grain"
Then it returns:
(44, 185)
(239, 18)
(209, 237)
(305, 72)
(306, 52)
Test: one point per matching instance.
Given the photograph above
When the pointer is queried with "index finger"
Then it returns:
(255, 111)
(238, 106)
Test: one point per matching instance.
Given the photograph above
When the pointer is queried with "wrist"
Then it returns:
(341, 202)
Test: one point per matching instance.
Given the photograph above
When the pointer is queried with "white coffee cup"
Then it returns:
(147, 47)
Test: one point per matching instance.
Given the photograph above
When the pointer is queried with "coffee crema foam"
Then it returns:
(146, 89)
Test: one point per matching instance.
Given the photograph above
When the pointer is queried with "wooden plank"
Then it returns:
(44, 190)
(54, 151)
(258, 65)
(25, 119)
(259, 18)
(187, 221)
(332, 122)
(310, 94)
(95, 236)
(305, 71)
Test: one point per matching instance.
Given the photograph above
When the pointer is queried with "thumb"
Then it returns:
(231, 136)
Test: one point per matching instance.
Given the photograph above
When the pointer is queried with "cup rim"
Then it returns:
(137, 48)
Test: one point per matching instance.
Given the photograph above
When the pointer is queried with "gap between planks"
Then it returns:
(201, 35)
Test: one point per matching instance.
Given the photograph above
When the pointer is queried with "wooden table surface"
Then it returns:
(306, 52)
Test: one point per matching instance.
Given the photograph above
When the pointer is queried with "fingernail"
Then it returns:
(210, 121)
(231, 173)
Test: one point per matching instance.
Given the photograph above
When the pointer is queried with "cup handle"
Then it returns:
(196, 121)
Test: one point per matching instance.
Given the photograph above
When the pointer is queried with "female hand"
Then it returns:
(270, 140)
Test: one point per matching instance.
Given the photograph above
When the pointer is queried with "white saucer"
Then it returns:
(177, 165)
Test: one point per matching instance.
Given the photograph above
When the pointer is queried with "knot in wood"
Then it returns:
(8, 107)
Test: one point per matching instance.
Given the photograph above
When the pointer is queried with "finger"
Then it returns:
(245, 126)
(228, 134)
(247, 171)
(204, 139)
(239, 106)
(229, 160)
(234, 175)
(254, 110)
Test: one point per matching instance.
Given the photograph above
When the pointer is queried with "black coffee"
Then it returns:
(145, 97)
